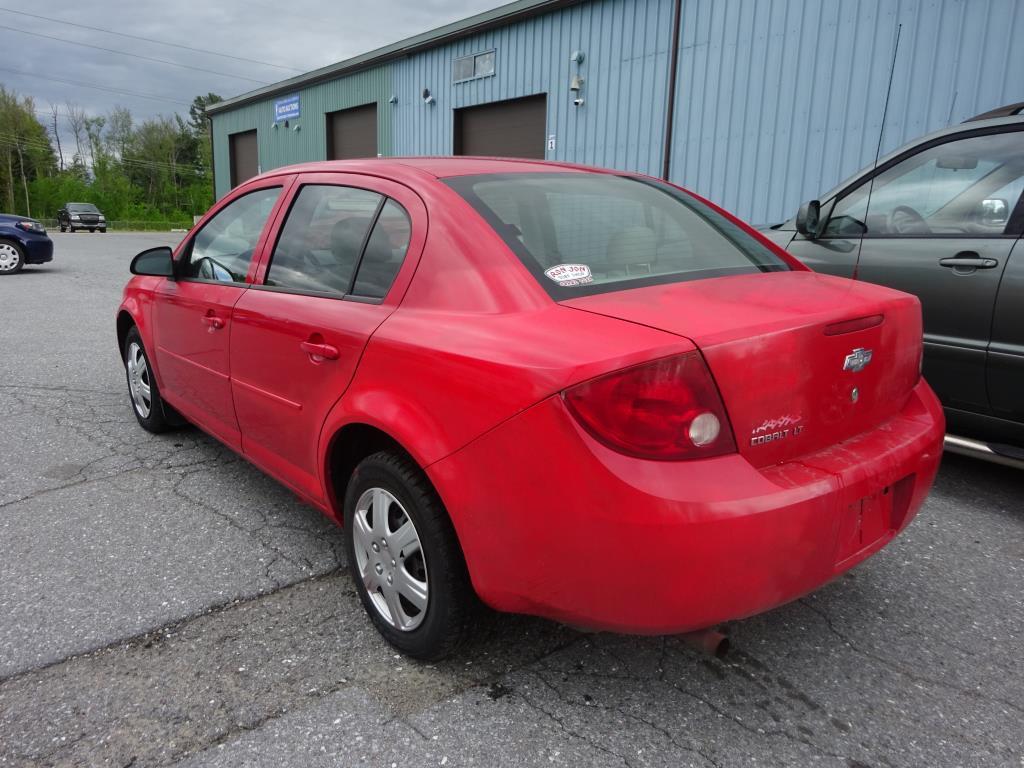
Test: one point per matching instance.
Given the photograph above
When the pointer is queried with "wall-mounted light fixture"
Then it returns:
(393, 99)
(297, 128)
(576, 82)
(428, 97)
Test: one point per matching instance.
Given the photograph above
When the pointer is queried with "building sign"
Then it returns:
(287, 108)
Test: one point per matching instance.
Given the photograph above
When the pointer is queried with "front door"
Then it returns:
(299, 332)
(936, 224)
(192, 313)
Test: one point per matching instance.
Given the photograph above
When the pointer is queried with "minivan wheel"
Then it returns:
(147, 405)
(405, 559)
(12, 259)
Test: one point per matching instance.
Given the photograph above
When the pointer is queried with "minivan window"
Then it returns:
(322, 238)
(223, 249)
(949, 189)
(586, 233)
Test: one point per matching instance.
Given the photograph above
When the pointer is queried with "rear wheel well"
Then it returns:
(352, 444)
(124, 324)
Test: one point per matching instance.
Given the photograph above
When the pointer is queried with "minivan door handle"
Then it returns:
(968, 261)
(317, 350)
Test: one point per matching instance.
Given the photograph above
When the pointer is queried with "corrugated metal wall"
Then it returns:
(621, 124)
(780, 100)
(777, 100)
(284, 146)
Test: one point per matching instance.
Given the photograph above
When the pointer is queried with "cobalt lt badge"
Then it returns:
(857, 360)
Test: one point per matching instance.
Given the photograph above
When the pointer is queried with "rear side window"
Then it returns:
(581, 234)
(340, 241)
(384, 253)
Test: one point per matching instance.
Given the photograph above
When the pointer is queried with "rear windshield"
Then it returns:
(83, 208)
(585, 233)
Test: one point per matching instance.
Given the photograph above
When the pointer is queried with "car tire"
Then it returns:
(92, 229)
(151, 413)
(63, 228)
(103, 230)
(434, 572)
(12, 257)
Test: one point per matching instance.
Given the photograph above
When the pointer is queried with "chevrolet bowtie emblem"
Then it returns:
(857, 360)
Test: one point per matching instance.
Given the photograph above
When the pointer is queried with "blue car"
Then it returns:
(22, 241)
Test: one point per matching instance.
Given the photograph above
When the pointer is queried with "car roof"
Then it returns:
(1003, 111)
(436, 167)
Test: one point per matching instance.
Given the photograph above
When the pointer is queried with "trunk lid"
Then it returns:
(787, 350)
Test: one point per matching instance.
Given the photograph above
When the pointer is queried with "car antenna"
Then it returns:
(878, 149)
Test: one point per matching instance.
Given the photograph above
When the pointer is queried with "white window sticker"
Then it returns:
(567, 275)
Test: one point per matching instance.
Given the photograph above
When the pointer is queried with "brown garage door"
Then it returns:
(352, 133)
(512, 128)
(245, 156)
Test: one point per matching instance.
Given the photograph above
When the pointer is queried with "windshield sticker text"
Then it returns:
(567, 275)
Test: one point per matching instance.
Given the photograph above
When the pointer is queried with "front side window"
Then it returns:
(585, 233)
(965, 187)
(223, 249)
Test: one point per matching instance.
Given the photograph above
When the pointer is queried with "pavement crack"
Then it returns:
(899, 669)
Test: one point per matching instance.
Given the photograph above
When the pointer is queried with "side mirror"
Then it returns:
(993, 212)
(155, 262)
(808, 219)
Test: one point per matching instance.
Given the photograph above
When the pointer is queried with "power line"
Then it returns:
(152, 40)
(13, 140)
(95, 87)
(133, 55)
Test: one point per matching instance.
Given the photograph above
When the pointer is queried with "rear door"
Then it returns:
(192, 313)
(1006, 353)
(938, 226)
(342, 260)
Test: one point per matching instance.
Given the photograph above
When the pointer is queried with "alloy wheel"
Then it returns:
(139, 382)
(390, 559)
(10, 259)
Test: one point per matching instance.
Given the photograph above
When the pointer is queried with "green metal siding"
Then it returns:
(285, 146)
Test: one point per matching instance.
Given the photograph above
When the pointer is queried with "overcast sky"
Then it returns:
(298, 34)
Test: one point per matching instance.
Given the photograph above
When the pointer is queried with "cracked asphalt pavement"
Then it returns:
(162, 602)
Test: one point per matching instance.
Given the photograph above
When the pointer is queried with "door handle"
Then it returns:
(320, 350)
(969, 260)
(215, 323)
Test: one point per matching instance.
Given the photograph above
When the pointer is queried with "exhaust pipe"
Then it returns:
(709, 641)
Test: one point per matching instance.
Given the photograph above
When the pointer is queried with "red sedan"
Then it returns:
(580, 394)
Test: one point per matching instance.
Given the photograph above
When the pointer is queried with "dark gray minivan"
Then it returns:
(942, 218)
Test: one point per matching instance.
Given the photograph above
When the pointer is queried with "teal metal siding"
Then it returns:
(284, 146)
(625, 69)
(779, 101)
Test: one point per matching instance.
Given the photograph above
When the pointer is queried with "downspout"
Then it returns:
(673, 68)
(213, 159)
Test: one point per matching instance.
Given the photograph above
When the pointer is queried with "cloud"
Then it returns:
(302, 34)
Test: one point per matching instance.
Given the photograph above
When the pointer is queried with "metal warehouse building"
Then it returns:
(757, 104)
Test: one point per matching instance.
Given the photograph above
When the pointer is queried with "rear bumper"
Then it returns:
(555, 524)
(38, 249)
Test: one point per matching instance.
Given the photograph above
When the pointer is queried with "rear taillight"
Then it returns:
(668, 409)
